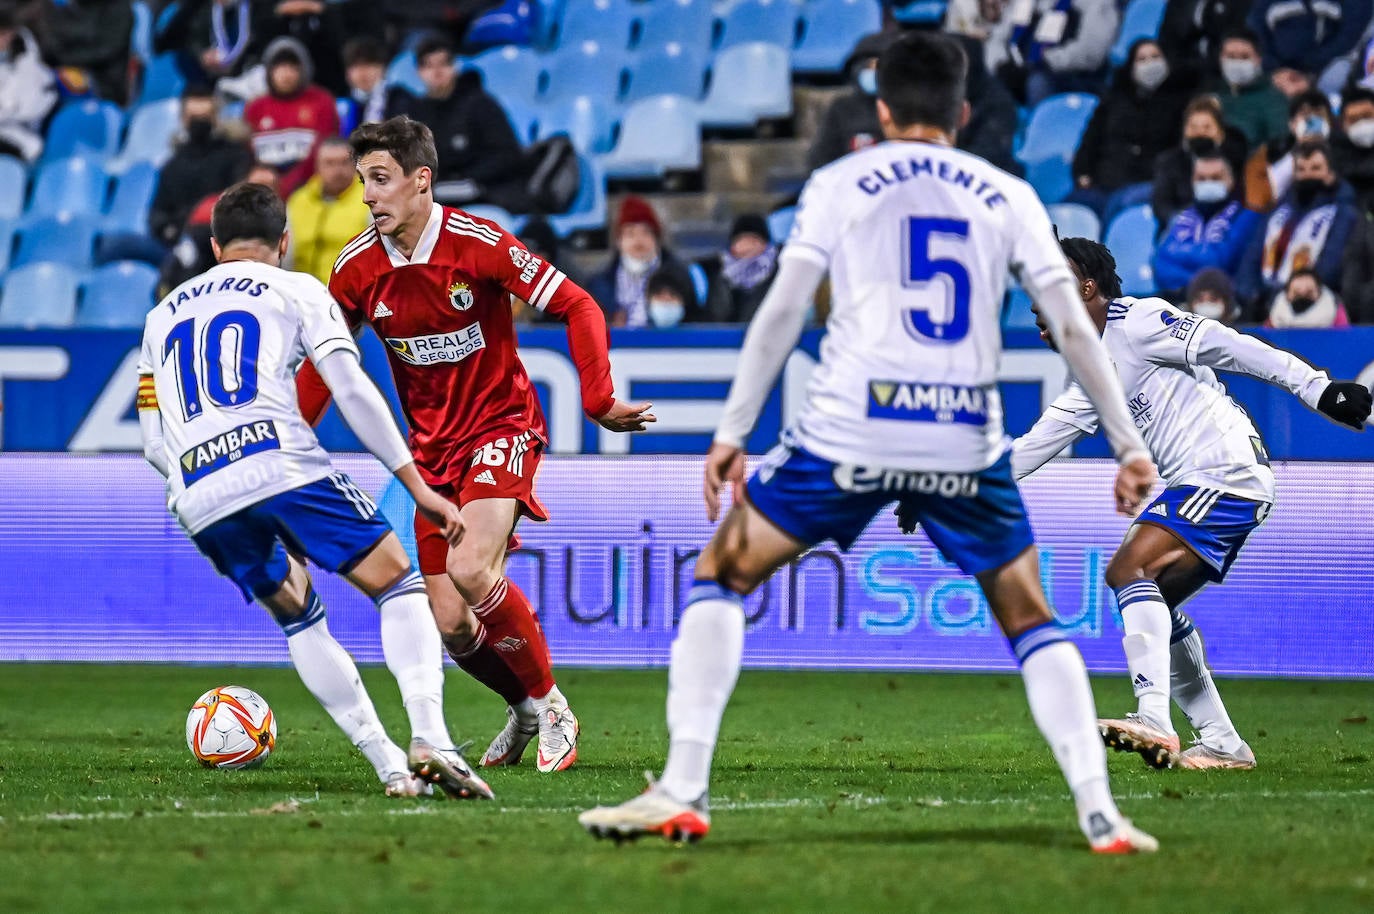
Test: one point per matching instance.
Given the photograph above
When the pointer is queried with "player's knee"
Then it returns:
(459, 631)
(473, 577)
(1121, 572)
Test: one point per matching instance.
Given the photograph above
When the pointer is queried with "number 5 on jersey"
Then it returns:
(920, 270)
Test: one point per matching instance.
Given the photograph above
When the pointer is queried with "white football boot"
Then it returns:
(558, 732)
(1136, 733)
(1200, 755)
(405, 784)
(447, 769)
(1119, 838)
(509, 745)
(653, 812)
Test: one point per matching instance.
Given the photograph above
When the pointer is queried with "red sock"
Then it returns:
(488, 666)
(514, 630)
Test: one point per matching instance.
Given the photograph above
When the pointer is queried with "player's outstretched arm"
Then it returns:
(150, 425)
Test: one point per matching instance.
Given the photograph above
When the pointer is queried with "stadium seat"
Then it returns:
(772, 21)
(68, 238)
(1131, 239)
(780, 223)
(501, 217)
(39, 295)
(88, 128)
(830, 29)
(1075, 221)
(1051, 177)
(7, 230)
(153, 130)
(1055, 127)
(118, 294)
(511, 74)
(586, 121)
(612, 23)
(588, 209)
(511, 22)
(141, 36)
(1141, 20)
(162, 79)
(13, 178)
(689, 23)
(657, 134)
(590, 68)
(68, 186)
(524, 119)
(670, 69)
(748, 82)
(404, 72)
(131, 200)
(1016, 313)
(920, 12)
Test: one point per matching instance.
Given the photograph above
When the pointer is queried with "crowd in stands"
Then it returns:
(1244, 130)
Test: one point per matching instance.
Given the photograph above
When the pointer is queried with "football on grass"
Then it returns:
(231, 727)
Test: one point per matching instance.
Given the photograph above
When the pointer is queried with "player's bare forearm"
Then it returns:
(724, 463)
(438, 510)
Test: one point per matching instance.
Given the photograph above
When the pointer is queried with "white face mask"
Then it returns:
(1239, 72)
(635, 264)
(1210, 191)
(868, 80)
(1150, 74)
(1312, 126)
(666, 313)
(1210, 309)
(1361, 133)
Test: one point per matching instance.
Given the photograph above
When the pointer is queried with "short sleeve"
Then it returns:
(1158, 332)
(815, 228)
(1037, 260)
(145, 356)
(323, 328)
(344, 292)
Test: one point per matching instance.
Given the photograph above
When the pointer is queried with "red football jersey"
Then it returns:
(445, 317)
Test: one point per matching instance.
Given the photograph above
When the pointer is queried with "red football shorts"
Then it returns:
(501, 468)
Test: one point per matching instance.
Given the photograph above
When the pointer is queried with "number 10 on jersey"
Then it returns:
(920, 270)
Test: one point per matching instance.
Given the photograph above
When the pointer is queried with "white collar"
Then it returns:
(429, 236)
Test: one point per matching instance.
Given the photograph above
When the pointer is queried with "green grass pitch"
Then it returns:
(832, 792)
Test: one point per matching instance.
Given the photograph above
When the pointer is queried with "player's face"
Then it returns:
(394, 197)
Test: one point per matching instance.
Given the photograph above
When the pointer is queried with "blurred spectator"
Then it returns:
(326, 212)
(992, 121)
(480, 159)
(1305, 301)
(1309, 118)
(324, 27)
(213, 38)
(1249, 100)
(192, 254)
(1307, 36)
(740, 277)
(205, 162)
(1309, 229)
(1211, 293)
(620, 287)
(1352, 148)
(1204, 131)
(1357, 272)
(27, 90)
(1041, 47)
(974, 18)
(292, 119)
(448, 18)
(851, 121)
(1213, 232)
(1192, 29)
(1137, 119)
(92, 36)
(670, 299)
(365, 61)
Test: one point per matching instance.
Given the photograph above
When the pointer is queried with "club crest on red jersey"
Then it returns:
(460, 296)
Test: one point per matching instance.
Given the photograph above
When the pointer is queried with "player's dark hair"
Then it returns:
(921, 79)
(248, 212)
(433, 43)
(410, 143)
(1095, 262)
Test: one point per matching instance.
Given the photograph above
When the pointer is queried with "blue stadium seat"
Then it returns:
(13, 178)
(830, 29)
(1075, 221)
(1141, 20)
(748, 82)
(590, 68)
(501, 217)
(162, 79)
(67, 238)
(68, 186)
(1051, 177)
(119, 294)
(588, 209)
(920, 12)
(1056, 125)
(670, 69)
(1016, 313)
(613, 23)
(511, 74)
(1131, 238)
(586, 121)
(511, 22)
(88, 128)
(403, 71)
(7, 230)
(153, 129)
(131, 200)
(780, 223)
(39, 295)
(141, 37)
(690, 23)
(657, 134)
(524, 119)
(772, 21)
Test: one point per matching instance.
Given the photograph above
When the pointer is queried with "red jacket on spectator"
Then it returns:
(288, 126)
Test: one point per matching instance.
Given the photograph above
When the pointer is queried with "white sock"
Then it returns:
(415, 656)
(332, 677)
(704, 668)
(1061, 701)
(537, 706)
(1196, 694)
(1146, 619)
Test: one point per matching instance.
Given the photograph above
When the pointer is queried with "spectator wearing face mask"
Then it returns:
(1352, 148)
(744, 271)
(620, 287)
(1308, 230)
(1305, 301)
(1192, 29)
(1213, 232)
(670, 300)
(1204, 131)
(365, 61)
(204, 162)
(1309, 118)
(1136, 120)
(851, 121)
(1249, 100)
(1212, 294)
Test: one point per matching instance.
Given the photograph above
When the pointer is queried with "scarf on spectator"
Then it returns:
(1294, 240)
(229, 54)
(1033, 32)
(629, 292)
(745, 273)
(1324, 312)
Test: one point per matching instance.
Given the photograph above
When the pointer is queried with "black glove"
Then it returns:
(907, 521)
(1347, 402)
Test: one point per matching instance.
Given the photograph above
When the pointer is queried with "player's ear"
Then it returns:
(283, 244)
(965, 113)
(214, 246)
(884, 116)
(424, 179)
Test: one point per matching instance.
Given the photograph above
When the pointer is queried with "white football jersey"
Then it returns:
(223, 349)
(1197, 435)
(919, 240)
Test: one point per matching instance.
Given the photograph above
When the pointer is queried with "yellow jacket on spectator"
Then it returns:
(321, 227)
